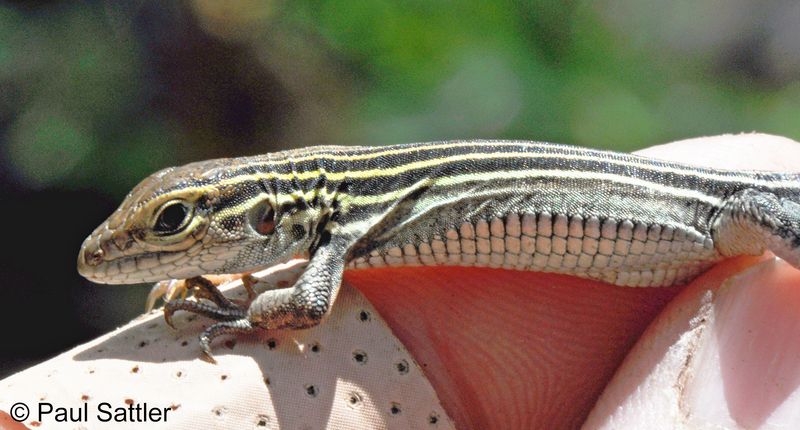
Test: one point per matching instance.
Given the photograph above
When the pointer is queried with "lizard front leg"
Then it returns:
(301, 306)
(307, 302)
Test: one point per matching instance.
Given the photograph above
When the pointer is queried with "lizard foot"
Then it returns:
(225, 309)
(231, 316)
(171, 289)
(213, 312)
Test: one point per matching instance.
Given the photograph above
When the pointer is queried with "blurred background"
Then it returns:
(96, 95)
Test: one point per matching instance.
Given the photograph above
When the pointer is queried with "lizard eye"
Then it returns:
(173, 217)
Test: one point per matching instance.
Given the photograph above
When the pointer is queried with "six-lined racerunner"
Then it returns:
(623, 219)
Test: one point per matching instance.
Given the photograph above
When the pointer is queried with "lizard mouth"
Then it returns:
(131, 269)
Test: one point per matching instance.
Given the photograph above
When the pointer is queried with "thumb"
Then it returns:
(723, 354)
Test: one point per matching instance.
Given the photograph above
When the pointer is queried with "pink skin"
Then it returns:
(542, 348)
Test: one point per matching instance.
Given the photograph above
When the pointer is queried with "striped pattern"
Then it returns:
(623, 219)
(392, 197)
(355, 177)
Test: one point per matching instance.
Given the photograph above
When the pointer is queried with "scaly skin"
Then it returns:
(618, 218)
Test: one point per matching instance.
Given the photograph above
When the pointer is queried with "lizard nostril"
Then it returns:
(122, 240)
(93, 258)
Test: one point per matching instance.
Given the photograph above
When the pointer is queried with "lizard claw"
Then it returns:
(226, 314)
(168, 290)
(231, 316)
(241, 325)
(206, 355)
(169, 309)
(249, 281)
(204, 287)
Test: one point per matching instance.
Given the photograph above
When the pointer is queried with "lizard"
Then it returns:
(618, 218)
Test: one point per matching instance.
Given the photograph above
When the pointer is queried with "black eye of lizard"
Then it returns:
(172, 218)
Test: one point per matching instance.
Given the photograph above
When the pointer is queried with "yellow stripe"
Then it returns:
(521, 174)
(404, 149)
(392, 171)
(421, 164)
(349, 200)
(245, 206)
(317, 153)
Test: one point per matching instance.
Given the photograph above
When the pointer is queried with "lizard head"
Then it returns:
(201, 218)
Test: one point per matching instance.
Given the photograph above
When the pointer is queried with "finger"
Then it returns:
(8, 423)
(724, 354)
(753, 151)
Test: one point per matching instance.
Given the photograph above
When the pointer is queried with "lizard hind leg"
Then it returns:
(752, 221)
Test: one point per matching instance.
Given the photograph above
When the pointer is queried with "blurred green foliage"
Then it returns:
(99, 94)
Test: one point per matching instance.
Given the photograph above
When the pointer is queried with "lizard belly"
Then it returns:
(620, 252)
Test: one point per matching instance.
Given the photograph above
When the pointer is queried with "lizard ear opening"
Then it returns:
(262, 218)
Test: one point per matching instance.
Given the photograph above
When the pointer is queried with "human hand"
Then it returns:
(502, 349)
(508, 349)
